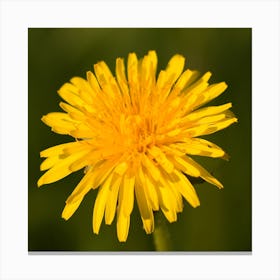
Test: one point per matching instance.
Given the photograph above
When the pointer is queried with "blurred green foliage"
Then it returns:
(223, 221)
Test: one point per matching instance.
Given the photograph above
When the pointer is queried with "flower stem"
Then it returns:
(161, 235)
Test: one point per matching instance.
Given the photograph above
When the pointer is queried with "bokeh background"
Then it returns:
(223, 222)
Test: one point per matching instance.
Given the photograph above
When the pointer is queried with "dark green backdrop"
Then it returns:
(223, 221)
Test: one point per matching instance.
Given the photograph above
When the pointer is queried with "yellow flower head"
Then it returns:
(133, 134)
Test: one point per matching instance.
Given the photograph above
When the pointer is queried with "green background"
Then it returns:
(223, 221)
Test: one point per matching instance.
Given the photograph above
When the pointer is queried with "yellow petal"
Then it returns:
(103, 73)
(185, 80)
(61, 123)
(85, 91)
(177, 196)
(153, 60)
(198, 87)
(82, 162)
(206, 129)
(167, 200)
(77, 147)
(102, 172)
(122, 81)
(73, 112)
(150, 190)
(143, 204)
(123, 223)
(170, 215)
(70, 209)
(58, 149)
(121, 168)
(106, 80)
(147, 74)
(71, 95)
(204, 174)
(93, 83)
(184, 164)
(207, 111)
(210, 93)
(174, 132)
(49, 162)
(208, 120)
(193, 92)
(133, 79)
(126, 195)
(161, 159)
(83, 187)
(184, 186)
(60, 170)
(168, 77)
(100, 203)
(175, 67)
(80, 84)
(149, 225)
(151, 168)
(82, 132)
(201, 147)
(126, 200)
(112, 199)
(94, 177)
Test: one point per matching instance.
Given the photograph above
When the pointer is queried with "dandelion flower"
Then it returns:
(134, 135)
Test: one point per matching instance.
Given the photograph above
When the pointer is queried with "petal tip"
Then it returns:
(43, 119)
(63, 216)
(95, 230)
(40, 182)
(226, 157)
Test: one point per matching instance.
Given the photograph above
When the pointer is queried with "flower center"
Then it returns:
(136, 133)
